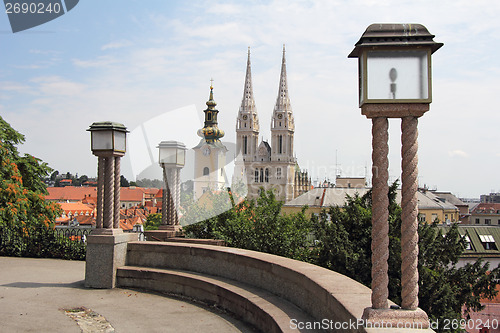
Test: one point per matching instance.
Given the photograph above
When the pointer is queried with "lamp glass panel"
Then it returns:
(120, 141)
(102, 140)
(168, 155)
(181, 157)
(361, 78)
(397, 75)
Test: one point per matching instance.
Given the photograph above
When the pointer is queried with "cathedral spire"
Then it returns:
(283, 100)
(248, 103)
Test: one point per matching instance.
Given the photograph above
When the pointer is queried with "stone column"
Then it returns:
(177, 194)
(164, 204)
(109, 192)
(170, 197)
(379, 312)
(100, 190)
(116, 218)
(380, 213)
(409, 205)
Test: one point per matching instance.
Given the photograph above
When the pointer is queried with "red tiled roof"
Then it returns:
(76, 207)
(85, 220)
(487, 208)
(71, 193)
(131, 194)
(77, 193)
(90, 201)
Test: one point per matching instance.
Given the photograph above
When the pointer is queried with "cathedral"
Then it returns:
(261, 166)
(264, 165)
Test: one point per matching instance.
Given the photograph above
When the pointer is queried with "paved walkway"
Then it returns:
(35, 292)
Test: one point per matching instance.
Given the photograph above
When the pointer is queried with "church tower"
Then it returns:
(210, 153)
(247, 123)
(282, 122)
(262, 165)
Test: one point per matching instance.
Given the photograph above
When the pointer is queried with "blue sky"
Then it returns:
(134, 61)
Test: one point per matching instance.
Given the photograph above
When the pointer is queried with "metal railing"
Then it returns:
(44, 242)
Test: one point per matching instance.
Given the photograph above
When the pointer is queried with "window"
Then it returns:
(434, 217)
(209, 115)
(499, 222)
(487, 221)
(261, 175)
(468, 245)
(421, 217)
(280, 144)
(206, 171)
(488, 242)
(267, 175)
(278, 176)
(256, 175)
(477, 221)
(245, 145)
(222, 172)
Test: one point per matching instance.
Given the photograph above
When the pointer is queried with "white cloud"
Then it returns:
(100, 61)
(165, 62)
(13, 86)
(458, 153)
(116, 45)
(57, 86)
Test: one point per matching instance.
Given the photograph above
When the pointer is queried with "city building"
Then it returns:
(129, 196)
(268, 165)
(485, 214)
(463, 208)
(490, 198)
(430, 207)
(480, 242)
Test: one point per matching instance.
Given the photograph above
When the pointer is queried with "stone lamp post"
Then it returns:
(106, 245)
(108, 143)
(172, 158)
(394, 62)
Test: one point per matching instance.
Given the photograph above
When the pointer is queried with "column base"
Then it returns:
(102, 231)
(171, 227)
(106, 251)
(163, 233)
(395, 318)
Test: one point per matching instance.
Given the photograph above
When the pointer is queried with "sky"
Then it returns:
(148, 64)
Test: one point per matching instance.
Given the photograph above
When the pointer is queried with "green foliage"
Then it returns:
(445, 288)
(22, 202)
(344, 245)
(40, 242)
(258, 225)
(124, 182)
(155, 183)
(343, 237)
(153, 221)
(23, 208)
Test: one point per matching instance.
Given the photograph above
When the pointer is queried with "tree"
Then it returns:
(124, 182)
(22, 202)
(53, 175)
(153, 221)
(259, 226)
(344, 240)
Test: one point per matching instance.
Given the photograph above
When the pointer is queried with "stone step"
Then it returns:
(262, 309)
